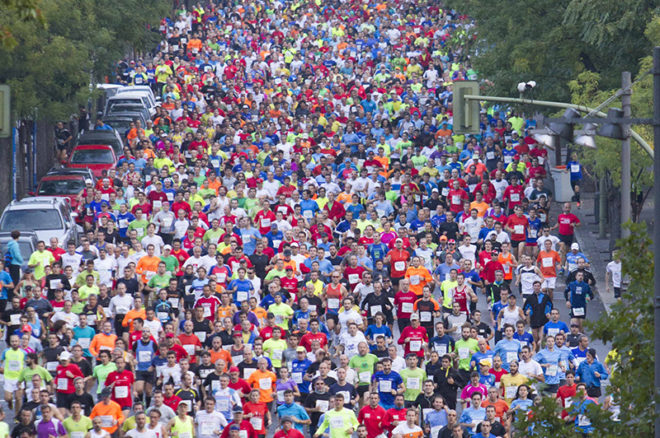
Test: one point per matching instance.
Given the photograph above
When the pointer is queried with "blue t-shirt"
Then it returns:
(386, 397)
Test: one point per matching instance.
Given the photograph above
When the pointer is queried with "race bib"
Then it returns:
(414, 280)
(265, 222)
(490, 155)
(241, 296)
(412, 383)
(190, 349)
(518, 229)
(54, 284)
(215, 163)
(257, 422)
(337, 423)
(201, 336)
(365, 376)
(308, 214)
(553, 331)
(14, 365)
(158, 204)
(400, 266)
(265, 383)
(297, 377)
(515, 197)
(575, 168)
(106, 420)
(511, 356)
(415, 345)
(162, 316)
(15, 319)
(333, 303)
(547, 262)
(425, 316)
(551, 370)
(223, 404)
(375, 309)
(445, 192)
(385, 386)
(510, 392)
(322, 405)
(353, 278)
(121, 391)
(62, 383)
(144, 356)
(456, 199)
(84, 342)
(578, 311)
(277, 355)
(441, 349)
(52, 366)
(174, 302)
(221, 277)
(463, 353)
(407, 307)
(207, 428)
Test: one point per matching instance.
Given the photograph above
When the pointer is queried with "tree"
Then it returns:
(551, 42)
(629, 329)
(19, 10)
(51, 69)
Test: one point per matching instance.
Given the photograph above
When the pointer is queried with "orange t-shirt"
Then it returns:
(132, 315)
(259, 380)
(547, 261)
(221, 354)
(507, 264)
(112, 409)
(418, 277)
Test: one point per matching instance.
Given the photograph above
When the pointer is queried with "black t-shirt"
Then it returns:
(345, 389)
(259, 262)
(450, 228)
(204, 370)
(483, 330)
(246, 366)
(19, 429)
(84, 366)
(497, 429)
(86, 402)
(310, 402)
(132, 285)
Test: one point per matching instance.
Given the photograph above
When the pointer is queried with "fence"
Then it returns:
(35, 154)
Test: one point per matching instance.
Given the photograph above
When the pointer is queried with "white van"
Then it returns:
(133, 97)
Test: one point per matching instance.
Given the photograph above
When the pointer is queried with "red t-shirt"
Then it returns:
(240, 385)
(371, 418)
(414, 345)
(353, 275)
(189, 342)
(565, 221)
(566, 392)
(172, 402)
(404, 302)
(63, 382)
(518, 225)
(258, 410)
(307, 338)
(498, 374)
(121, 392)
(398, 262)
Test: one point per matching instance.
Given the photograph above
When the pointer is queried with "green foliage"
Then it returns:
(50, 69)
(551, 42)
(18, 10)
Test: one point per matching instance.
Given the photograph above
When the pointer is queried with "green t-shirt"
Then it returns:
(465, 350)
(160, 281)
(101, 373)
(27, 373)
(274, 350)
(339, 422)
(41, 259)
(140, 226)
(281, 312)
(275, 273)
(413, 381)
(446, 288)
(14, 362)
(213, 235)
(364, 366)
(81, 426)
(171, 264)
(85, 291)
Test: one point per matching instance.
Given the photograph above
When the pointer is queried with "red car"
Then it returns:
(96, 157)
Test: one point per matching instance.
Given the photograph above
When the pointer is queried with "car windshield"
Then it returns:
(126, 100)
(120, 125)
(61, 187)
(32, 219)
(92, 156)
(24, 247)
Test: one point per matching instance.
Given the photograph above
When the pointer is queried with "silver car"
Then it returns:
(45, 216)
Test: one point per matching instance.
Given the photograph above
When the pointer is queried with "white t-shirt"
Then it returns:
(530, 369)
(403, 429)
(614, 270)
(147, 433)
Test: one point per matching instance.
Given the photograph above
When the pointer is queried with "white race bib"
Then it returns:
(407, 307)
(578, 311)
(511, 356)
(265, 383)
(353, 278)
(385, 386)
(463, 353)
(333, 303)
(62, 383)
(412, 383)
(297, 377)
(322, 405)
(365, 376)
(425, 316)
(121, 391)
(415, 345)
(144, 356)
(510, 392)
(375, 309)
(515, 197)
(400, 266)
(547, 262)
(256, 422)
(518, 229)
(84, 342)
(241, 296)
(575, 168)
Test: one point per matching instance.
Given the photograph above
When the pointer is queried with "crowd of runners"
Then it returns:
(299, 245)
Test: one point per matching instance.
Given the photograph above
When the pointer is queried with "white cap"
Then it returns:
(65, 355)
(575, 245)
(89, 181)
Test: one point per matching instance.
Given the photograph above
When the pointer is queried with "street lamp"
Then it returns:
(586, 136)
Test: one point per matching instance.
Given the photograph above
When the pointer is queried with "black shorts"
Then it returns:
(63, 400)
(566, 239)
(516, 243)
(593, 391)
(145, 376)
(362, 389)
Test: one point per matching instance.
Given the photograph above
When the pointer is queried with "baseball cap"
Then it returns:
(301, 349)
(26, 328)
(414, 316)
(451, 241)
(575, 245)
(398, 240)
(233, 370)
(287, 418)
(295, 244)
(169, 335)
(443, 238)
(65, 355)
(237, 409)
(434, 191)
(89, 181)
(289, 268)
(167, 247)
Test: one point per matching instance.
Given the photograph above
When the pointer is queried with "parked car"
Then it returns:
(111, 137)
(136, 97)
(62, 185)
(96, 157)
(45, 216)
(27, 243)
(119, 108)
(145, 89)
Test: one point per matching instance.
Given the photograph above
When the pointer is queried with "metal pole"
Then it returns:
(14, 139)
(602, 210)
(34, 152)
(656, 232)
(550, 104)
(625, 154)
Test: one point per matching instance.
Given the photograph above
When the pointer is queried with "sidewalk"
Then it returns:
(596, 250)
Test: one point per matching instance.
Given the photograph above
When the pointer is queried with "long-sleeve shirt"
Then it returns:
(585, 373)
(15, 253)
